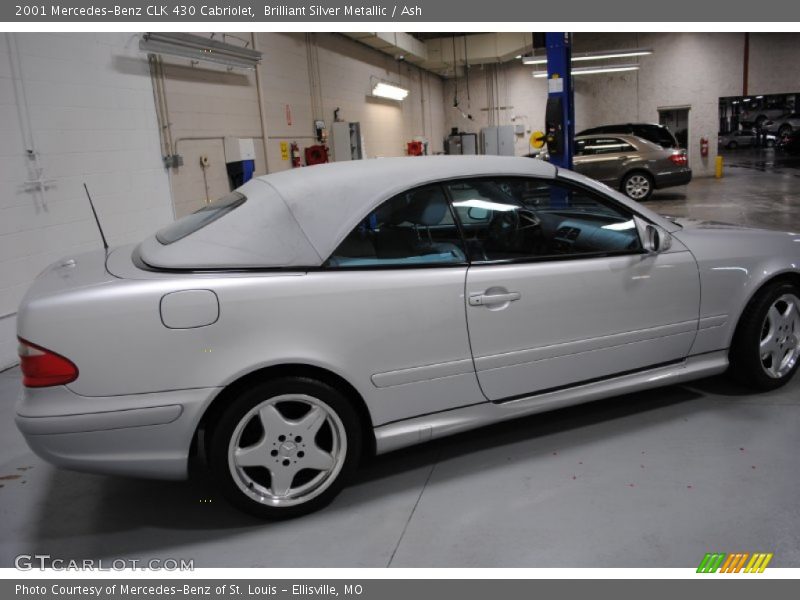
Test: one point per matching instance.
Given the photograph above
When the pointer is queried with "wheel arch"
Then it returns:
(637, 168)
(218, 404)
(633, 170)
(779, 277)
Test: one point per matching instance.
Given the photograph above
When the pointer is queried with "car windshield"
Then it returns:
(197, 220)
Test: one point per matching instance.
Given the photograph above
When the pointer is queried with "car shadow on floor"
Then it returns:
(109, 514)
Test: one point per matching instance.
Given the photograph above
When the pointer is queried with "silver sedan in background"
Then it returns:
(784, 126)
(630, 164)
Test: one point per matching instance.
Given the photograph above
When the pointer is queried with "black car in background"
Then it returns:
(652, 132)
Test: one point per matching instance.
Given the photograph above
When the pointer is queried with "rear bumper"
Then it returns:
(143, 435)
(673, 178)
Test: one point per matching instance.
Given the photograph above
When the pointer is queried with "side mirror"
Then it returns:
(478, 214)
(653, 238)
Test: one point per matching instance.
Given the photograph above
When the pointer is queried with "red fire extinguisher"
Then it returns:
(294, 153)
(703, 146)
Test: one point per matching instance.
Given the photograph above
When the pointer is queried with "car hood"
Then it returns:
(724, 241)
(686, 223)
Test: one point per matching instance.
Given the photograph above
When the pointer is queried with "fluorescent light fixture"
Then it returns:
(541, 59)
(594, 70)
(759, 97)
(534, 60)
(389, 90)
(199, 48)
(583, 56)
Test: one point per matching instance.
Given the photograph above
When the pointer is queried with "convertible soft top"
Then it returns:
(297, 218)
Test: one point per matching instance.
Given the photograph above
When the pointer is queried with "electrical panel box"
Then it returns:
(239, 149)
(498, 141)
(347, 144)
(461, 143)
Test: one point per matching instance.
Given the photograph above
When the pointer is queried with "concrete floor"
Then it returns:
(655, 479)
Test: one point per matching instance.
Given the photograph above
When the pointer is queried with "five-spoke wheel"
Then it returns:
(285, 447)
(766, 346)
(780, 336)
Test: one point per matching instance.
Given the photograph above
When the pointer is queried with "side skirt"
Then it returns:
(409, 432)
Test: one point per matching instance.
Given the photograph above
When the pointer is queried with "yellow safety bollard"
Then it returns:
(718, 170)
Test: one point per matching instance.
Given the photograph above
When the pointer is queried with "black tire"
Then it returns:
(631, 177)
(732, 145)
(260, 500)
(746, 365)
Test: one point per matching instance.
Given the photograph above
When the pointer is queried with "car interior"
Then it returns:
(499, 219)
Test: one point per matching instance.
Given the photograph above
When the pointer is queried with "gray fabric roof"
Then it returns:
(297, 218)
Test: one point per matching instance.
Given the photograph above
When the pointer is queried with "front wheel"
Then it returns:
(766, 346)
(637, 186)
(285, 447)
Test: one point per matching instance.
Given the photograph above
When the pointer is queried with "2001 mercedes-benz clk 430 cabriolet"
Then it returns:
(319, 314)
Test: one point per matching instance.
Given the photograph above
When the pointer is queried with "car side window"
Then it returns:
(415, 228)
(518, 218)
(606, 145)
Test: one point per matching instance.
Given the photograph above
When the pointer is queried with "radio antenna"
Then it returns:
(94, 212)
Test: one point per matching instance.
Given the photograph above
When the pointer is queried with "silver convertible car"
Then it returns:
(317, 315)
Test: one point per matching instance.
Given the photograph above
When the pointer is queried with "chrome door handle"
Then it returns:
(489, 299)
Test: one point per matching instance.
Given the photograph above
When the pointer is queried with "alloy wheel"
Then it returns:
(779, 346)
(287, 450)
(637, 187)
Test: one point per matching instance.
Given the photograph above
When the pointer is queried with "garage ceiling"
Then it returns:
(435, 52)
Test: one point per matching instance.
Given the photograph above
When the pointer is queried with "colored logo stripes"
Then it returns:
(734, 563)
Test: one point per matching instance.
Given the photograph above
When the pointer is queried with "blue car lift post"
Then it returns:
(560, 95)
(560, 112)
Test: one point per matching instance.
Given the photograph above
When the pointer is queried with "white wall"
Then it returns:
(774, 68)
(92, 119)
(208, 101)
(344, 70)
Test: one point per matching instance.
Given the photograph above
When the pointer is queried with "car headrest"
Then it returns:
(427, 207)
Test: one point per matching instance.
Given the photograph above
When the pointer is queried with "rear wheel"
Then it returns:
(766, 346)
(285, 448)
(637, 185)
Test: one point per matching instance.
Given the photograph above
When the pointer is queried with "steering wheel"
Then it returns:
(509, 228)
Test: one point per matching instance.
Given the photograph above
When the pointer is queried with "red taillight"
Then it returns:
(43, 368)
(679, 158)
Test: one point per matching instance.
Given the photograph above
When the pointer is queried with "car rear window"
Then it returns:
(659, 135)
(197, 220)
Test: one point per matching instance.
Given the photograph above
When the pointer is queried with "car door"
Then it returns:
(559, 291)
(391, 301)
(601, 158)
